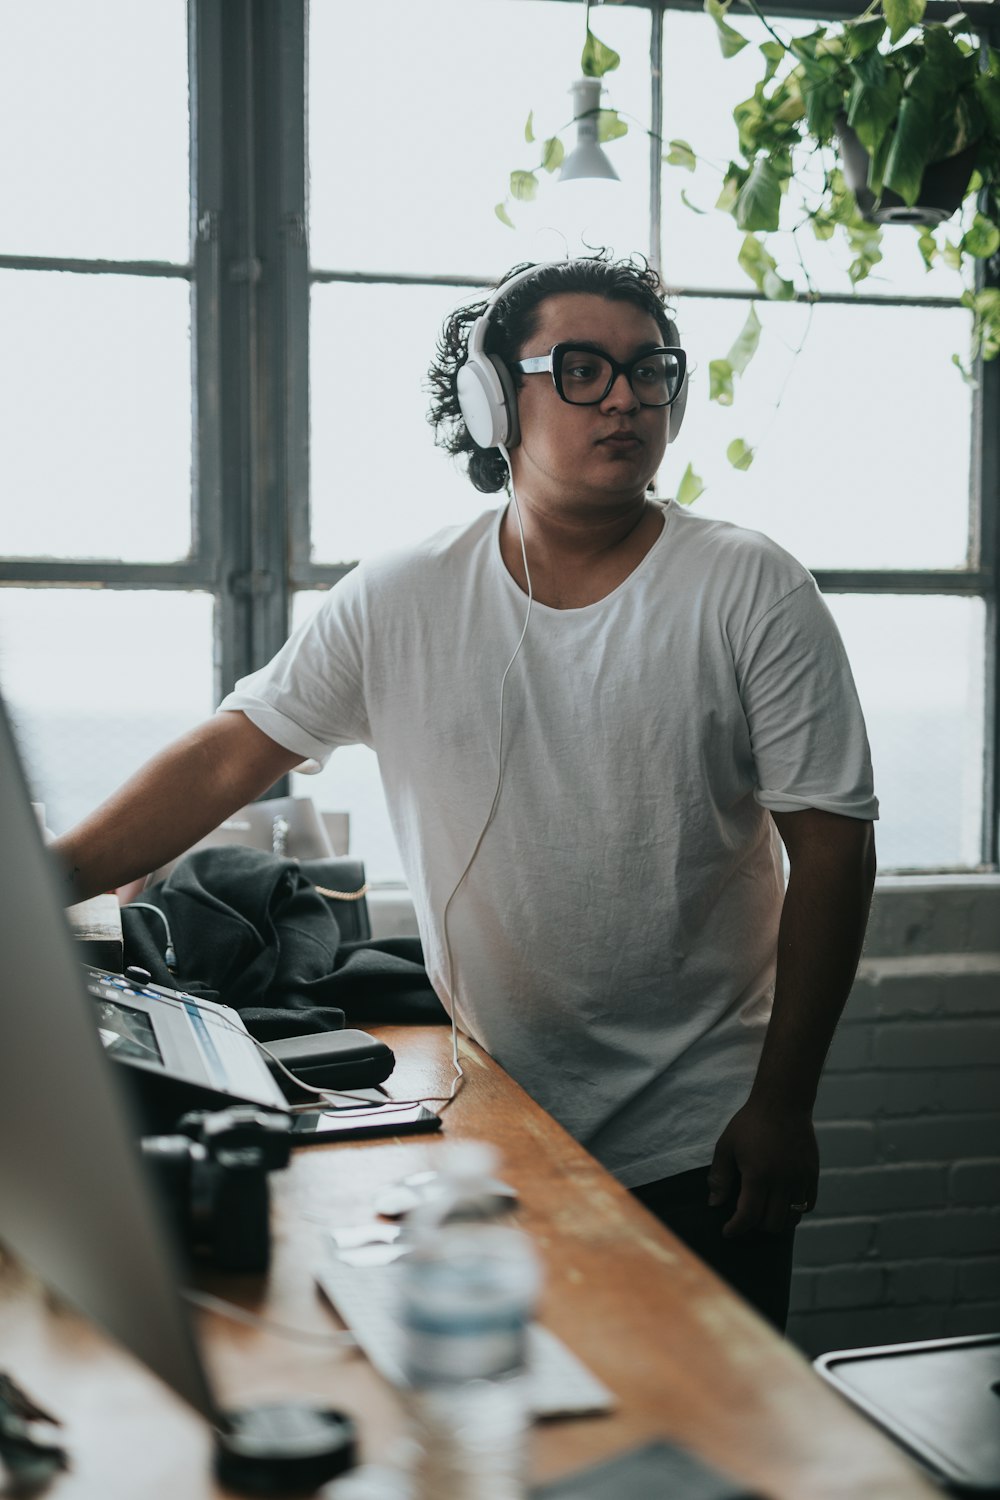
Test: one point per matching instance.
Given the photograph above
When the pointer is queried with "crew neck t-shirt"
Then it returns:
(613, 943)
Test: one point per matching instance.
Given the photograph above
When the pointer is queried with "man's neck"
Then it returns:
(578, 557)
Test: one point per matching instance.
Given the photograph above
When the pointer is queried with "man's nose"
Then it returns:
(621, 395)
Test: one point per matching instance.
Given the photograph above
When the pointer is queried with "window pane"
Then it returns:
(700, 90)
(377, 479)
(865, 464)
(416, 120)
(350, 783)
(95, 416)
(96, 99)
(918, 663)
(96, 682)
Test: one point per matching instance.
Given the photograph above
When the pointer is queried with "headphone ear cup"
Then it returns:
(488, 401)
(511, 435)
(680, 403)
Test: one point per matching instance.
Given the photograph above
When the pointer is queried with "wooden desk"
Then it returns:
(685, 1358)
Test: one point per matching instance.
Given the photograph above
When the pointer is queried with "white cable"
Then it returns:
(211, 1303)
(169, 954)
(452, 996)
(443, 1099)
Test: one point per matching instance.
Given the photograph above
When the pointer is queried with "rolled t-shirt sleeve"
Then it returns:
(310, 697)
(807, 731)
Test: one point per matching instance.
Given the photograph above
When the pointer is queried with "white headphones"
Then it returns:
(487, 395)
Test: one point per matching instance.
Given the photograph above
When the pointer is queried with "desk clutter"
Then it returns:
(92, 1285)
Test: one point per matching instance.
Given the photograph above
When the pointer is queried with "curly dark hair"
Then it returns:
(512, 323)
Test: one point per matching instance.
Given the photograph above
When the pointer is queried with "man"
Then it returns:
(594, 714)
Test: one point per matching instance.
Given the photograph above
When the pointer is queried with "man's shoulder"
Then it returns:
(432, 557)
(727, 550)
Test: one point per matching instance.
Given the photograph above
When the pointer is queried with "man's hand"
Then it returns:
(769, 1155)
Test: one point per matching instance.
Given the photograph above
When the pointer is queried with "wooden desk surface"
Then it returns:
(685, 1358)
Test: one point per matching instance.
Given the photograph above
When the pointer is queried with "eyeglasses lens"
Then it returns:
(587, 377)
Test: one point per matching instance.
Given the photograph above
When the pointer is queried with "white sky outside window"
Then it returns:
(865, 462)
(95, 416)
(97, 681)
(94, 121)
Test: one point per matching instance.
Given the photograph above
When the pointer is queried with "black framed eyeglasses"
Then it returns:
(583, 376)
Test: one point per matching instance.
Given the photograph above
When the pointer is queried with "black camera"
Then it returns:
(212, 1174)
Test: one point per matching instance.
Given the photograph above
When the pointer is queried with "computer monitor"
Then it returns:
(75, 1203)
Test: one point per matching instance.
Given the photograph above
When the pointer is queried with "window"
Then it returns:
(195, 439)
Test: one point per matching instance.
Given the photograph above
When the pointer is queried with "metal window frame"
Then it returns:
(250, 283)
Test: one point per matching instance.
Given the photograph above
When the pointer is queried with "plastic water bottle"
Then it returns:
(468, 1288)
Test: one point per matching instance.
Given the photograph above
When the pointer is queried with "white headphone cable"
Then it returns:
(452, 997)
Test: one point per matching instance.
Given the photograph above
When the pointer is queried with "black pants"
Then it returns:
(757, 1265)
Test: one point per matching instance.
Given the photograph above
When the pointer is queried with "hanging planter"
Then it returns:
(904, 118)
(942, 188)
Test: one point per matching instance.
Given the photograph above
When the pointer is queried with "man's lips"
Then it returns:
(624, 437)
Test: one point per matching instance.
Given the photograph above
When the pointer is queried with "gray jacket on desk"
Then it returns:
(251, 930)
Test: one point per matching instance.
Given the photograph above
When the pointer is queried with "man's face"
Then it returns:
(588, 453)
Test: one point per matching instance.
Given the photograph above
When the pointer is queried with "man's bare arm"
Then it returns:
(769, 1146)
(175, 799)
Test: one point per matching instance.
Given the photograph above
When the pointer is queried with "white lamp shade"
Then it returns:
(587, 159)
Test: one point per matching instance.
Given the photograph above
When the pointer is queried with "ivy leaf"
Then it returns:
(501, 212)
(776, 289)
(552, 153)
(758, 202)
(823, 226)
(610, 125)
(734, 180)
(908, 155)
(745, 346)
(755, 261)
(966, 375)
(739, 454)
(872, 106)
(529, 127)
(863, 36)
(772, 53)
(987, 87)
(981, 239)
(730, 39)
(690, 487)
(927, 245)
(901, 15)
(952, 255)
(597, 59)
(523, 186)
(681, 155)
(692, 206)
(720, 382)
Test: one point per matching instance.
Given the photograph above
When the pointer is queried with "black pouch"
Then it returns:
(331, 1060)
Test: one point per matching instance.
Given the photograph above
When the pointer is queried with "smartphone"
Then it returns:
(364, 1120)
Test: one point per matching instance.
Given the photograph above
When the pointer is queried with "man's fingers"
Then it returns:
(779, 1215)
(723, 1177)
(750, 1210)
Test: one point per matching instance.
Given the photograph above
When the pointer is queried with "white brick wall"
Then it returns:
(905, 1240)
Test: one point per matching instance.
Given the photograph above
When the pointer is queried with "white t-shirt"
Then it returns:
(614, 940)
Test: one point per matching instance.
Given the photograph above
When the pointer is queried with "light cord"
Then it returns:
(450, 962)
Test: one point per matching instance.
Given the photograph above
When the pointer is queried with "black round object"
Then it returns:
(283, 1447)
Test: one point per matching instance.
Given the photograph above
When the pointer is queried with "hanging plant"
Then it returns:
(596, 61)
(913, 111)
